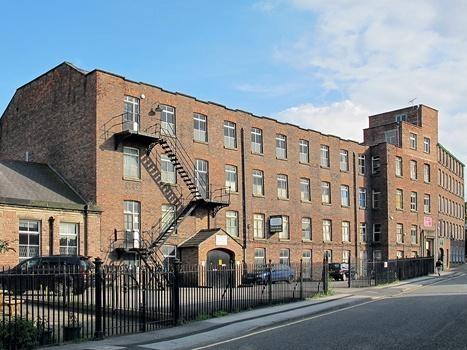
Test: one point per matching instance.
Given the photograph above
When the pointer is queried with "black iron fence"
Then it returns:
(45, 306)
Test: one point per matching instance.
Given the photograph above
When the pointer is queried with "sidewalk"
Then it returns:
(215, 328)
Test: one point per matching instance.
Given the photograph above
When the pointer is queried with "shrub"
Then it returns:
(18, 334)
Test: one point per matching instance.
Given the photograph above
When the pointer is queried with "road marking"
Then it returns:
(374, 299)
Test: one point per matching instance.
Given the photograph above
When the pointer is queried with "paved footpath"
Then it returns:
(381, 313)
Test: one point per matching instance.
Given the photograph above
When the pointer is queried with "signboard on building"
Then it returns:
(428, 221)
(275, 224)
(221, 240)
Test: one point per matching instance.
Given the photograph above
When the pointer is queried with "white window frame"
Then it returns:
(345, 228)
(345, 196)
(362, 197)
(168, 212)
(131, 163)
(282, 186)
(285, 233)
(375, 199)
(258, 182)
(131, 116)
(427, 203)
(361, 164)
(399, 233)
(305, 190)
(231, 222)
(426, 145)
(168, 173)
(132, 222)
(362, 232)
(327, 230)
(284, 256)
(427, 173)
(257, 140)
(399, 166)
(202, 177)
(413, 170)
(231, 178)
(325, 192)
(414, 234)
(69, 232)
(304, 151)
(413, 201)
(324, 156)
(344, 160)
(230, 134)
(413, 140)
(28, 250)
(168, 120)
(375, 165)
(258, 226)
(377, 232)
(306, 229)
(260, 256)
(281, 146)
(399, 199)
(200, 127)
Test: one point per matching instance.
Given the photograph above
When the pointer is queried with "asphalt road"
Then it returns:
(430, 317)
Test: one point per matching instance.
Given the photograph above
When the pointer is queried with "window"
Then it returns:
(427, 203)
(306, 261)
(346, 256)
(399, 254)
(256, 140)
(167, 120)
(362, 232)
(284, 257)
(202, 177)
(390, 136)
(131, 168)
(376, 232)
(399, 233)
(413, 170)
(285, 233)
(306, 229)
(426, 145)
(29, 238)
(344, 160)
(362, 197)
(68, 238)
(131, 113)
(169, 252)
(230, 134)
(375, 165)
(328, 254)
(260, 256)
(426, 173)
(304, 147)
(327, 231)
(281, 146)
(231, 222)
(361, 164)
(231, 178)
(168, 174)
(345, 231)
(377, 255)
(282, 187)
(401, 117)
(305, 194)
(413, 201)
(258, 226)
(325, 192)
(413, 140)
(131, 220)
(376, 199)
(200, 127)
(258, 183)
(399, 171)
(345, 199)
(399, 199)
(413, 234)
(167, 215)
(324, 159)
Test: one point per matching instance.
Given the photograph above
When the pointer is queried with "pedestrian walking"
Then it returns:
(439, 264)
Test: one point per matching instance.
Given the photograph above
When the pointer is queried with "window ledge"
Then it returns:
(258, 195)
(284, 239)
(324, 166)
(134, 179)
(344, 171)
(399, 209)
(304, 163)
(345, 206)
(283, 159)
(231, 148)
(399, 176)
(233, 192)
(307, 240)
(259, 239)
(257, 154)
(362, 208)
(283, 199)
(171, 184)
(326, 204)
(201, 142)
(305, 201)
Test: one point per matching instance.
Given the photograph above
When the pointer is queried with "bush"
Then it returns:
(18, 334)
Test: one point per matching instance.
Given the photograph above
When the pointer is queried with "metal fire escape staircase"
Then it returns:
(200, 194)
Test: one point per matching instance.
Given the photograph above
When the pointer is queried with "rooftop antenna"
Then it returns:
(412, 101)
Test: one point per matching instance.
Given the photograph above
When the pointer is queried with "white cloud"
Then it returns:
(267, 90)
(379, 55)
(343, 119)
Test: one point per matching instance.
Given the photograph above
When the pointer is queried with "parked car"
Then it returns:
(279, 273)
(340, 271)
(58, 273)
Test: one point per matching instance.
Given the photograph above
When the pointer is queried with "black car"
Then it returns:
(57, 273)
(340, 271)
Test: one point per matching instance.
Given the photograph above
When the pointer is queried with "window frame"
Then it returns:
(304, 157)
(325, 187)
(282, 192)
(230, 141)
(67, 236)
(231, 221)
(344, 160)
(256, 175)
(324, 156)
(281, 146)
(307, 234)
(305, 193)
(29, 233)
(130, 154)
(198, 121)
(257, 140)
(231, 171)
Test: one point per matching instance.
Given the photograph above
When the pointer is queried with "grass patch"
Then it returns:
(322, 295)
(219, 313)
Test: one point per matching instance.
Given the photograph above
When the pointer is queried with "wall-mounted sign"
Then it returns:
(275, 224)
(221, 240)
(428, 221)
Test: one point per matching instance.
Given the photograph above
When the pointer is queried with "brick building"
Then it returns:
(175, 176)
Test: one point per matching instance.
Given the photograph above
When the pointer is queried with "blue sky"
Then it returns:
(325, 65)
(216, 50)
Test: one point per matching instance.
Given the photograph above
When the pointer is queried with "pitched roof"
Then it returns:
(199, 238)
(35, 184)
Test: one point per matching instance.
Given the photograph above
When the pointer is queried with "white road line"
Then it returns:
(316, 316)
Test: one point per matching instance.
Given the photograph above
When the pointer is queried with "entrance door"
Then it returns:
(219, 272)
